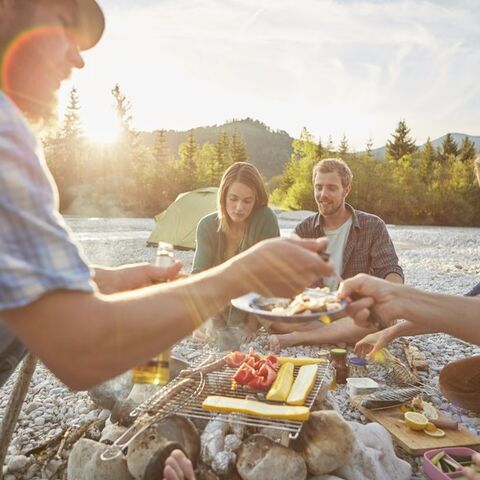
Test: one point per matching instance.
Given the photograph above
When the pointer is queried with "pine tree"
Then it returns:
(427, 162)
(160, 152)
(71, 125)
(330, 145)
(402, 144)
(343, 147)
(466, 152)
(125, 167)
(449, 147)
(188, 152)
(320, 149)
(238, 152)
(71, 142)
(222, 152)
(369, 147)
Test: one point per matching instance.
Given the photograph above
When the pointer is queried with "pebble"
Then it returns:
(17, 462)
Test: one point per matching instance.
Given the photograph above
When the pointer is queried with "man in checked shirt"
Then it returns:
(358, 243)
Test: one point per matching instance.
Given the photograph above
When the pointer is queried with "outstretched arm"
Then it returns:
(457, 316)
(86, 338)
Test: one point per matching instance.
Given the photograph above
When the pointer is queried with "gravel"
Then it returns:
(439, 259)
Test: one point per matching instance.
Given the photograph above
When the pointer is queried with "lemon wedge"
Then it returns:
(430, 427)
(435, 433)
(416, 421)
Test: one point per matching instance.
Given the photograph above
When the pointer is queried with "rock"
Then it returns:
(17, 463)
(223, 463)
(157, 438)
(260, 458)
(373, 456)
(106, 394)
(325, 441)
(232, 443)
(111, 432)
(84, 463)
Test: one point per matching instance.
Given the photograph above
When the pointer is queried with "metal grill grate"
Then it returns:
(187, 401)
(219, 383)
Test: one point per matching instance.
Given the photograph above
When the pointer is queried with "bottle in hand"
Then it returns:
(157, 370)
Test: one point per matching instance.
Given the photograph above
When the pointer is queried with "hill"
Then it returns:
(267, 149)
(458, 137)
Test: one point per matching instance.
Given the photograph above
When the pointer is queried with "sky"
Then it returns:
(344, 67)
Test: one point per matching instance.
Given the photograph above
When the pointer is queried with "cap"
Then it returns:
(91, 23)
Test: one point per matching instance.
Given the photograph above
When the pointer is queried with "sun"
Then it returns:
(101, 129)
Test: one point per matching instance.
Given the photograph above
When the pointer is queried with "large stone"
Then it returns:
(84, 463)
(106, 394)
(156, 439)
(260, 458)
(111, 432)
(373, 456)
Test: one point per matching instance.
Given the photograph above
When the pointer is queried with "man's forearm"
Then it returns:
(457, 316)
(105, 335)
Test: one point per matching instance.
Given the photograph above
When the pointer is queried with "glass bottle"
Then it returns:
(358, 367)
(157, 370)
(338, 357)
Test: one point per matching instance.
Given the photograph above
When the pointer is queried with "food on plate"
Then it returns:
(254, 371)
(416, 421)
(307, 374)
(252, 407)
(306, 303)
(283, 383)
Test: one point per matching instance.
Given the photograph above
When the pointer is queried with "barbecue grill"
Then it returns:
(184, 396)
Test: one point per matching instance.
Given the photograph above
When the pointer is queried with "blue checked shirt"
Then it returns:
(37, 253)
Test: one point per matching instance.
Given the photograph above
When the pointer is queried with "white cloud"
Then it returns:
(334, 66)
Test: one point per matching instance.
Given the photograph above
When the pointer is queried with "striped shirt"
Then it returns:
(369, 248)
(37, 253)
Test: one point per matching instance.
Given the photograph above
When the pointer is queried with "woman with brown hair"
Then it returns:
(242, 220)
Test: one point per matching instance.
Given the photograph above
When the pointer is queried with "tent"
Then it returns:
(178, 223)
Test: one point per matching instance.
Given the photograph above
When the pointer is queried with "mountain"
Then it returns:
(458, 137)
(267, 149)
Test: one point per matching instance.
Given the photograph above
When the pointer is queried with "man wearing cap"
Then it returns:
(50, 299)
(51, 302)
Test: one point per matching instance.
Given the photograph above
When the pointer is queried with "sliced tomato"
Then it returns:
(273, 360)
(266, 376)
(244, 374)
(235, 359)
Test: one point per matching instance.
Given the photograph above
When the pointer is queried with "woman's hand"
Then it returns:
(369, 345)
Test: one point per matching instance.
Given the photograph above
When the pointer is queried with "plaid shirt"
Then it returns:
(369, 248)
(37, 253)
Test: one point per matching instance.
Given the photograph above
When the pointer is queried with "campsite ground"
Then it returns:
(438, 259)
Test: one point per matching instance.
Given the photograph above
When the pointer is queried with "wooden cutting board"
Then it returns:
(416, 443)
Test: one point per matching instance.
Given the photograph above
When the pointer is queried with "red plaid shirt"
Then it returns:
(369, 248)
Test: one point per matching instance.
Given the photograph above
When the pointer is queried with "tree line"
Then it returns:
(409, 186)
(431, 186)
